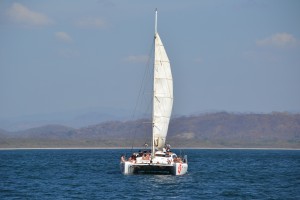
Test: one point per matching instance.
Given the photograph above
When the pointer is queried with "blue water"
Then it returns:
(94, 174)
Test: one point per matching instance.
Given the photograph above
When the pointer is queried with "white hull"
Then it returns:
(129, 168)
(161, 163)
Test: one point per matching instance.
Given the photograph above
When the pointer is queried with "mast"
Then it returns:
(162, 93)
(155, 32)
(155, 21)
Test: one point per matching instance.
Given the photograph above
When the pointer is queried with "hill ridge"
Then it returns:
(210, 130)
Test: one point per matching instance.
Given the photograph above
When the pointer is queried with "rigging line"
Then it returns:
(140, 92)
(146, 136)
(143, 82)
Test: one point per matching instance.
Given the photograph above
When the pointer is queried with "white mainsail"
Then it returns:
(163, 94)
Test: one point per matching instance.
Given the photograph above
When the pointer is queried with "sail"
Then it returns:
(163, 94)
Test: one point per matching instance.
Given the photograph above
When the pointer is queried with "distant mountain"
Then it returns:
(275, 130)
(238, 130)
(47, 132)
(75, 119)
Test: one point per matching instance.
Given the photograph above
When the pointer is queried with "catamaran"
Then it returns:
(160, 159)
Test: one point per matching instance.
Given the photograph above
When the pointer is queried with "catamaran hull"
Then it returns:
(128, 168)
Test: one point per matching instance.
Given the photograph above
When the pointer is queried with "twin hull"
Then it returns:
(129, 168)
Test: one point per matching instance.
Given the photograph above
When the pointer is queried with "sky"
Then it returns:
(63, 56)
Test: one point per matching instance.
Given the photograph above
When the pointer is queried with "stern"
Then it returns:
(126, 168)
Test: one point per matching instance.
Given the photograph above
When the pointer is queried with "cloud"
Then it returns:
(278, 40)
(63, 36)
(137, 59)
(21, 14)
(91, 22)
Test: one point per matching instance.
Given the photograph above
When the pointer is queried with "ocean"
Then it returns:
(95, 174)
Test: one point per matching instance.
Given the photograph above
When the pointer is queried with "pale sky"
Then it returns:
(235, 56)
